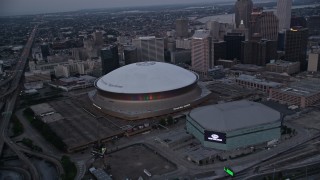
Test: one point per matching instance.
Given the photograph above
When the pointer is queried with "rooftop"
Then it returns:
(201, 34)
(253, 79)
(283, 63)
(43, 108)
(234, 115)
(146, 77)
(305, 87)
(52, 118)
(147, 37)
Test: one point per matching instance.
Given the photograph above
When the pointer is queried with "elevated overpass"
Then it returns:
(9, 99)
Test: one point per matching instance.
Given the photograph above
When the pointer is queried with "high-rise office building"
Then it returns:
(149, 48)
(109, 58)
(314, 25)
(243, 30)
(265, 24)
(281, 40)
(314, 62)
(182, 28)
(233, 45)
(296, 42)
(298, 21)
(98, 38)
(130, 54)
(214, 27)
(181, 56)
(37, 54)
(183, 43)
(45, 50)
(284, 14)
(219, 50)
(243, 9)
(258, 52)
(201, 52)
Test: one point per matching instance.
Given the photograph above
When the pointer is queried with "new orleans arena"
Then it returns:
(147, 89)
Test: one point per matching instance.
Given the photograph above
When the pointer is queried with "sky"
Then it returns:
(21, 7)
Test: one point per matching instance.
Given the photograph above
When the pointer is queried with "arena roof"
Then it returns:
(234, 115)
(146, 77)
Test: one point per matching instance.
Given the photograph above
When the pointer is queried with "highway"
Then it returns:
(5, 139)
(9, 99)
(14, 80)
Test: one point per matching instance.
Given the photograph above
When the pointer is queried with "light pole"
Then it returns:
(274, 171)
(306, 172)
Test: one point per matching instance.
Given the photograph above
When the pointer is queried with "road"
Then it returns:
(25, 173)
(5, 139)
(9, 98)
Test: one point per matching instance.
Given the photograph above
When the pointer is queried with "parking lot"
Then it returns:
(131, 161)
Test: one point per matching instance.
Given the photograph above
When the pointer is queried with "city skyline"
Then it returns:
(29, 7)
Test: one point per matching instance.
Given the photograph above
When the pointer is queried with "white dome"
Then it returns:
(146, 77)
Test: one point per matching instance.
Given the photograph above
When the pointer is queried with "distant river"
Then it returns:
(229, 18)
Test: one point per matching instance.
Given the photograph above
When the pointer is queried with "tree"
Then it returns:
(69, 168)
(28, 111)
(163, 122)
(170, 120)
(17, 126)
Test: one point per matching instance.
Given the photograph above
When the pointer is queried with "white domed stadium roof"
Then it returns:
(146, 77)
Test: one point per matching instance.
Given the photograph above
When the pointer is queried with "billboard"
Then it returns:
(216, 137)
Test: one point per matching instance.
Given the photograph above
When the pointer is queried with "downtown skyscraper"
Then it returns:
(201, 52)
(149, 48)
(284, 14)
(243, 9)
(182, 28)
(263, 24)
(109, 58)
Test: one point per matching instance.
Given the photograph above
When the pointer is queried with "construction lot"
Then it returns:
(131, 161)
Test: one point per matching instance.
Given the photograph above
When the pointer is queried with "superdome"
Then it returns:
(147, 89)
(146, 77)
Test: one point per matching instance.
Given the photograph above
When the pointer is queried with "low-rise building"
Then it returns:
(37, 75)
(46, 113)
(226, 63)
(302, 93)
(314, 62)
(72, 83)
(283, 66)
(217, 72)
(247, 68)
(255, 83)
